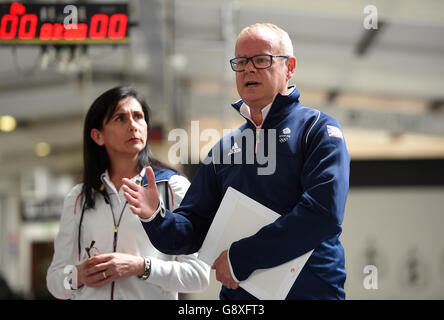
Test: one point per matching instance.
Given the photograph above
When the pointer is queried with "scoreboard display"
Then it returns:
(63, 24)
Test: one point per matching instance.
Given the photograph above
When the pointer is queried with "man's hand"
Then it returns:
(223, 273)
(144, 201)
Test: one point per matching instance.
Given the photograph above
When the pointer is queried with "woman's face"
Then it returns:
(126, 132)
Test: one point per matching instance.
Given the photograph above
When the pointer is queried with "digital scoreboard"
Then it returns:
(63, 24)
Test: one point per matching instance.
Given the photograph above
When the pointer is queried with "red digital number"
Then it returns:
(30, 34)
(78, 32)
(12, 21)
(17, 9)
(99, 26)
(117, 26)
(46, 31)
(57, 31)
(24, 26)
(82, 31)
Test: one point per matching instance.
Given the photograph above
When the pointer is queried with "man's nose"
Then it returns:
(250, 66)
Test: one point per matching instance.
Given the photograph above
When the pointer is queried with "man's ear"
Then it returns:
(97, 136)
(291, 65)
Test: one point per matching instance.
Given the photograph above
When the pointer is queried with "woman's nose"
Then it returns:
(132, 124)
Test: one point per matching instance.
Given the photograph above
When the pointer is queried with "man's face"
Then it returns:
(259, 87)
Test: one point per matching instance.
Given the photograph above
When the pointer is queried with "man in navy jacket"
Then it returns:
(305, 179)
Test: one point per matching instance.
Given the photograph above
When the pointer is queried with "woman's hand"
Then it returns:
(108, 267)
(144, 201)
(79, 275)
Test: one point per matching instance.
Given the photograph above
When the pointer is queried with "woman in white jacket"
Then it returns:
(102, 250)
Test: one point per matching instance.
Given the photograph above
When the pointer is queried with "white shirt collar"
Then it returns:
(246, 111)
(104, 177)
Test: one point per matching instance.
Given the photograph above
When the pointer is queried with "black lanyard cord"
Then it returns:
(116, 226)
(80, 227)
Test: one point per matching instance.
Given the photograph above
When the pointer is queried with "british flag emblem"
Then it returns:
(334, 132)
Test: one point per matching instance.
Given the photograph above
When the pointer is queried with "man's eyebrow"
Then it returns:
(257, 54)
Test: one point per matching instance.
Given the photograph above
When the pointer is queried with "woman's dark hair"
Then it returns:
(95, 157)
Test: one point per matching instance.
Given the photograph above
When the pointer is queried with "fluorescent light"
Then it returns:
(42, 149)
(7, 123)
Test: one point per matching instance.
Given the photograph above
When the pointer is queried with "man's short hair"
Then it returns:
(286, 45)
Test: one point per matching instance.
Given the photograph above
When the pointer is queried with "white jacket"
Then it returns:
(169, 274)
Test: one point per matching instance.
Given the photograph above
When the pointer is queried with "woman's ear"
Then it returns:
(97, 136)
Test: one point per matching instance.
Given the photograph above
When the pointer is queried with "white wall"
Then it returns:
(400, 231)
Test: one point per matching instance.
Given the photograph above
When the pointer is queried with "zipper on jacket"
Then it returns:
(258, 132)
(115, 237)
(116, 231)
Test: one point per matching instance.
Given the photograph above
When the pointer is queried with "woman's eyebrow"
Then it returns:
(118, 114)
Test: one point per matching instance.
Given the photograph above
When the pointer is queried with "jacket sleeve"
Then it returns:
(187, 274)
(316, 218)
(65, 249)
(184, 231)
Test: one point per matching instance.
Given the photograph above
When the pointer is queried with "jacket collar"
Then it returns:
(159, 175)
(163, 175)
(280, 107)
(104, 177)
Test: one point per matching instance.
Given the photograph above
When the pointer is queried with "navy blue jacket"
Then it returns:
(308, 187)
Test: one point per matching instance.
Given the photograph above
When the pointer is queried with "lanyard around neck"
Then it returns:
(116, 225)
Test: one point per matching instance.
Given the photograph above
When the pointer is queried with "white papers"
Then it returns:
(239, 217)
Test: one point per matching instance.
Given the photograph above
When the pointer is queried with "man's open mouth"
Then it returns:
(251, 84)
